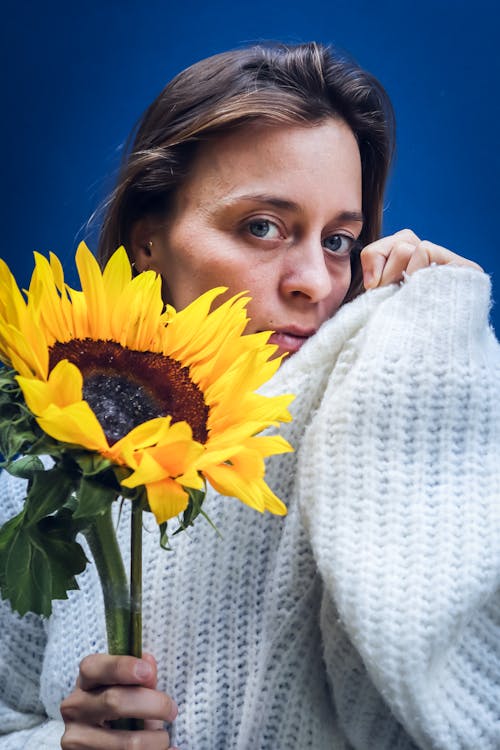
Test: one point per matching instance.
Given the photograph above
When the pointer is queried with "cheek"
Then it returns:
(341, 280)
(190, 269)
(188, 280)
(238, 270)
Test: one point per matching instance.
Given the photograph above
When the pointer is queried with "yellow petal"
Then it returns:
(94, 292)
(116, 275)
(75, 424)
(30, 347)
(12, 302)
(256, 494)
(166, 499)
(57, 271)
(37, 394)
(269, 445)
(63, 388)
(148, 470)
(227, 482)
(177, 456)
(66, 382)
(80, 319)
(144, 435)
(272, 503)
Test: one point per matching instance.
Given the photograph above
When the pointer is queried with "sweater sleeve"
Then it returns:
(399, 477)
(23, 722)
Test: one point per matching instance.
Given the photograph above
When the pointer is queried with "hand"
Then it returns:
(115, 687)
(386, 260)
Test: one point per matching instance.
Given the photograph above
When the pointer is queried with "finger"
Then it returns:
(103, 669)
(438, 254)
(419, 259)
(77, 737)
(154, 725)
(149, 658)
(99, 706)
(397, 263)
(374, 256)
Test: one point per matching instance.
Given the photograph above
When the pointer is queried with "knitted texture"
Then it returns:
(366, 619)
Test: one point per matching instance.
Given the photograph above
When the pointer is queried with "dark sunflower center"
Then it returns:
(125, 388)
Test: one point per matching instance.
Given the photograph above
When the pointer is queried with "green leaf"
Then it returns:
(193, 510)
(25, 577)
(26, 467)
(18, 429)
(212, 524)
(39, 564)
(15, 438)
(93, 498)
(43, 445)
(48, 492)
(7, 536)
(56, 539)
(164, 543)
(91, 463)
(7, 376)
(8, 530)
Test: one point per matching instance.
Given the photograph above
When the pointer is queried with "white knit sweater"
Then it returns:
(368, 617)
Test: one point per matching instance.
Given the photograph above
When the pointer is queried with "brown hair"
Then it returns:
(280, 84)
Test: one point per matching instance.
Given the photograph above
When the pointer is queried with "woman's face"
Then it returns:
(274, 211)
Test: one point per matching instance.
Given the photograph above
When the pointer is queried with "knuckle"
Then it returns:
(86, 666)
(425, 245)
(68, 708)
(70, 741)
(408, 235)
(111, 698)
(402, 249)
(135, 741)
(68, 714)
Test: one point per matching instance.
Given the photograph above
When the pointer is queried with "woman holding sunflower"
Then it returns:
(367, 616)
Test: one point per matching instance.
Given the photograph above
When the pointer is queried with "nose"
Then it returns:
(306, 272)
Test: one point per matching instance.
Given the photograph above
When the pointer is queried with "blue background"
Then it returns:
(75, 77)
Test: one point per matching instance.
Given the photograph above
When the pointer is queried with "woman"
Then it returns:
(368, 617)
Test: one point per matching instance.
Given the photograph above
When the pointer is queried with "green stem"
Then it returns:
(135, 630)
(136, 582)
(103, 544)
(122, 606)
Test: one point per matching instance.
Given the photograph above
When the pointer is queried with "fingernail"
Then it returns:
(173, 711)
(143, 670)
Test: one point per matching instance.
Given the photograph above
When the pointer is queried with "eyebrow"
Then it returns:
(287, 205)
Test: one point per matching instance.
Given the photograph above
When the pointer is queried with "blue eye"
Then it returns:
(339, 244)
(263, 229)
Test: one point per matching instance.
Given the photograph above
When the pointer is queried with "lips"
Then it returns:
(291, 339)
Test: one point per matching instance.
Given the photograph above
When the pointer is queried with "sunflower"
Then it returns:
(169, 395)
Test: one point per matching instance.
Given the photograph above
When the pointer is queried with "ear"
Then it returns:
(141, 244)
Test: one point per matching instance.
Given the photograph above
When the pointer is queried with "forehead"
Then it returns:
(292, 160)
